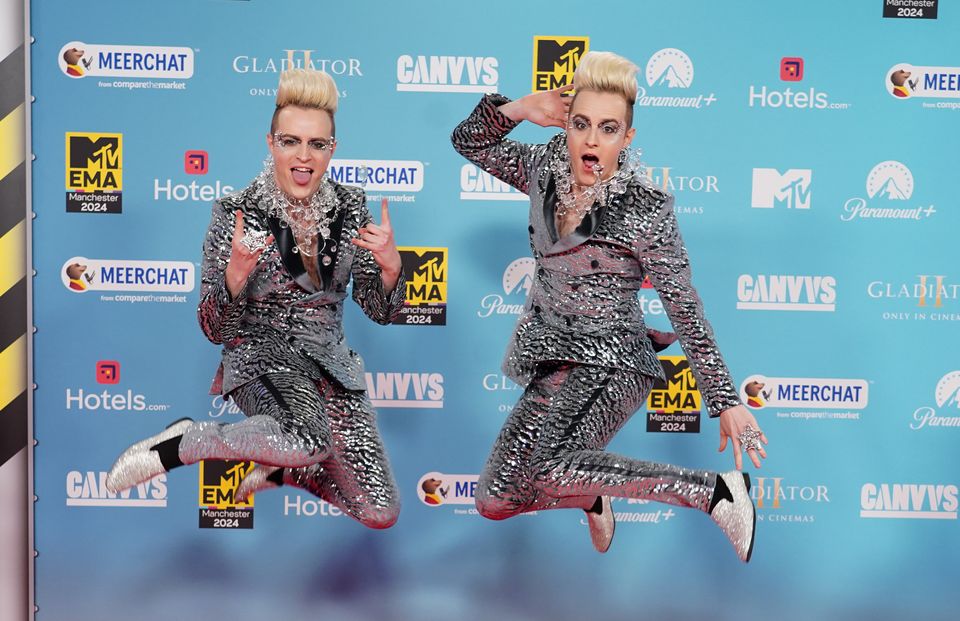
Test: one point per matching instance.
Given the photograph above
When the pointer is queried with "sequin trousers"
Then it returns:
(325, 435)
(550, 452)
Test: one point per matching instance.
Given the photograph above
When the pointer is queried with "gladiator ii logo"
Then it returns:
(673, 406)
(425, 270)
(555, 59)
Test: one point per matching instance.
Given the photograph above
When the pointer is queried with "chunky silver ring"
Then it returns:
(749, 439)
(254, 240)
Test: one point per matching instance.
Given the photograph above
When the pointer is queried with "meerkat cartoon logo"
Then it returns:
(76, 64)
(756, 397)
(430, 488)
(78, 277)
(901, 83)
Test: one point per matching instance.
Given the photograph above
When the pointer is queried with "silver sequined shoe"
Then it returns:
(602, 525)
(139, 463)
(259, 479)
(737, 519)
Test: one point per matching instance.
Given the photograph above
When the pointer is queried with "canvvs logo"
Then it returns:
(478, 185)
(889, 188)
(94, 172)
(555, 59)
(447, 74)
(674, 405)
(89, 489)
(405, 390)
(909, 501)
(425, 270)
(781, 292)
(947, 397)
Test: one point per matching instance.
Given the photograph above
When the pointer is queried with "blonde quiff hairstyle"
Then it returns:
(606, 72)
(306, 88)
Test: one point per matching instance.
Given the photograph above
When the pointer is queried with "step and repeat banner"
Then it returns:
(811, 147)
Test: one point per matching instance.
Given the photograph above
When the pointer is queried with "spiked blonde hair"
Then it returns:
(606, 72)
(306, 88)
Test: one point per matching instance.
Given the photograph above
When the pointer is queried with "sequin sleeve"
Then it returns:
(219, 313)
(481, 138)
(664, 259)
(368, 281)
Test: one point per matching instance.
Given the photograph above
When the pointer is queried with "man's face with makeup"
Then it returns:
(596, 132)
(298, 159)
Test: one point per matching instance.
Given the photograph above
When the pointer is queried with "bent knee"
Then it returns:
(494, 507)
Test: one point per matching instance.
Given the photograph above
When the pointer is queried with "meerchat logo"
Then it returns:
(219, 508)
(908, 501)
(517, 280)
(447, 74)
(790, 189)
(673, 406)
(378, 175)
(905, 81)
(80, 274)
(947, 412)
(405, 390)
(759, 391)
(94, 166)
(555, 59)
(479, 185)
(779, 292)
(89, 489)
(435, 489)
(425, 270)
(79, 60)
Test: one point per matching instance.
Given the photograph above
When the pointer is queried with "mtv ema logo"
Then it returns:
(667, 71)
(436, 488)
(791, 189)
(517, 280)
(781, 292)
(79, 60)
(219, 508)
(889, 185)
(674, 405)
(909, 501)
(94, 172)
(425, 270)
(447, 74)
(555, 59)
(89, 489)
(479, 185)
(905, 81)
(947, 397)
(405, 390)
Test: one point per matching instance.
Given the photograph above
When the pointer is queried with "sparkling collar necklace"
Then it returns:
(575, 198)
(309, 218)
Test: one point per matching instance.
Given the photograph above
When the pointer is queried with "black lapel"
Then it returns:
(584, 231)
(550, 209)
(286, 242)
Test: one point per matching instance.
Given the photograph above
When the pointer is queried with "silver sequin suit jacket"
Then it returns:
(582, 306)
(281, 321)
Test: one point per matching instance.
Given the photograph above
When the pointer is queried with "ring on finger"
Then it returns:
(254, 240)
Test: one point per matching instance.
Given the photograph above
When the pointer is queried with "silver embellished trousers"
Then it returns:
(550, 452)
(326, 437)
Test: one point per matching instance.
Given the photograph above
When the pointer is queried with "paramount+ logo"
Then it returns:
(555, 59)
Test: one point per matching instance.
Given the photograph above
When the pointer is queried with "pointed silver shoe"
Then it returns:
(737, 519)
(602, 525)
(255, 482)
(138, 463)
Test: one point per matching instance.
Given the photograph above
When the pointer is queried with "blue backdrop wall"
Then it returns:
(811, 147)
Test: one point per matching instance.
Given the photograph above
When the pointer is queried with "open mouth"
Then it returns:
(301, 175)
(590, 162)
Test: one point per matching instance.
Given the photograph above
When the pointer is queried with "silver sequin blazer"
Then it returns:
(281, 321)
(583, 304)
